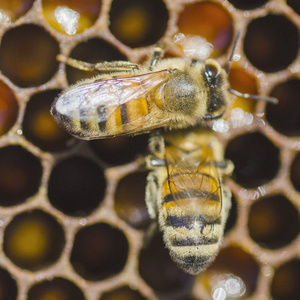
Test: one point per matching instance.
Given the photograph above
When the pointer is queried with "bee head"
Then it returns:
(216, 83)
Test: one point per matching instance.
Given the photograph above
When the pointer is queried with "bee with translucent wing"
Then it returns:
(132, 99)
(173, 93)
(186, 194)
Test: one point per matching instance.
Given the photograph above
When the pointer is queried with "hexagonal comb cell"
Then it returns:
(71, 16)
(28, 55)
(99, 252)
(33, 240)
(76, 186)
(267, 44)
(57, 288)
(20, 175)
(285, 116)
(138, 23)
(40, 128)
(273, 222)
(255, 158)
(208, 20)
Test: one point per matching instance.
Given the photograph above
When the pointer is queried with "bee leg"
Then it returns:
(226, 166)
(78, 64)
(152, 194)
(153, 191)
(105, 67)
(116, 66)
(157, 145)
(157, 54)
(226, 194)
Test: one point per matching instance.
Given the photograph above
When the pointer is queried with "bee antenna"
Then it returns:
(245, 95)
(254, 97)
(233, 50)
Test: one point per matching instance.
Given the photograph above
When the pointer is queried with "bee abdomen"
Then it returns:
(191, 250)
(89, 116)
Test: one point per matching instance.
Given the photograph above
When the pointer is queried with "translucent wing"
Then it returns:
(104, 96)
(193, 190)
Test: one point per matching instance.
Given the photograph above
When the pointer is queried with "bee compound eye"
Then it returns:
(215, 105)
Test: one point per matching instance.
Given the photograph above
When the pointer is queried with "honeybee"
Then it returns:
(132, 99)
(185, 192)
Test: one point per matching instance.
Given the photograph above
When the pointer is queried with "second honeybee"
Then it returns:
(185, 192)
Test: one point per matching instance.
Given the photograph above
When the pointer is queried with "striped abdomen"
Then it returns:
(113, 106)
(191, 213)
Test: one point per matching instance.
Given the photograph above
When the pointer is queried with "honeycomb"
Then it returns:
(73, 222)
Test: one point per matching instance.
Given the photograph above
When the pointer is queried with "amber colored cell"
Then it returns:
(247, 4)
(295, 172)
(243, 82)
(20, 175)
(271, 43)
(130, 200)
(273, 222)
(99, 251)
(138, 23)
(122, 293)
(234, 271)
(76, 186)
(71, 16)
(255, 158)
(55, 289)
(8, 286)
(285, 116)
(12, 10)
(33, 240)
(285, 283)
(208, 20)
(92, 51)
(8, 108)
(160, 272)
(28, 55)
(120, 150)
(39, 126)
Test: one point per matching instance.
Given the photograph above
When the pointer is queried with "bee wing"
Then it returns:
(104, 96)
(195, 191)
